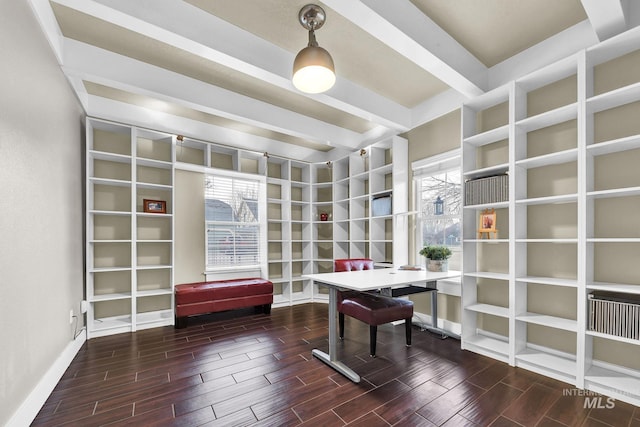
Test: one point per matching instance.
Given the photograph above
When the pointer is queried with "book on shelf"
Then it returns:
(489, 189)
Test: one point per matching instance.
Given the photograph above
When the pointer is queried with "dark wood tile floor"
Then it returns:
(240, 368)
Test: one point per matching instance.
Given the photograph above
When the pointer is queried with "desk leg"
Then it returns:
(331, 359)
(434, 309)
(434, 315)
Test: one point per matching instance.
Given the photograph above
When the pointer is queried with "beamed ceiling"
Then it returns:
(220, 70)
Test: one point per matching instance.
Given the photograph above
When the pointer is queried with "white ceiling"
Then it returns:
(219, 70)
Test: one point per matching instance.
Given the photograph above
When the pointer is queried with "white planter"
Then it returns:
(437, 265)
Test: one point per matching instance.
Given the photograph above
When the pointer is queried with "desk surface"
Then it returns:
(367, 280)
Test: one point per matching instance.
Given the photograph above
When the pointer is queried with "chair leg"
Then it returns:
(341, 325)
(407, 328)
(373, 332)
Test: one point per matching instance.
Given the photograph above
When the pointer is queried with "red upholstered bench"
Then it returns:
(220, 295)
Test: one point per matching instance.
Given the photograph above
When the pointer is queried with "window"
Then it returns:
(441, 208)
(439, 201)
(232, 215)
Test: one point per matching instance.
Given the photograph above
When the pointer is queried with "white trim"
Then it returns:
(30, 407)
(438, 163)
(263, 265)
(224, 172)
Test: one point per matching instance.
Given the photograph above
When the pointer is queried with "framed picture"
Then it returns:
(154, 206)
(487, 223)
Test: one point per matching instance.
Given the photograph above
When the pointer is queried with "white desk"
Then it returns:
(366, 280)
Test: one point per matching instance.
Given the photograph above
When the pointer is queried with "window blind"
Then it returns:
(232, 221)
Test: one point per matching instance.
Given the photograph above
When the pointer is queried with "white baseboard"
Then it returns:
(28, 410)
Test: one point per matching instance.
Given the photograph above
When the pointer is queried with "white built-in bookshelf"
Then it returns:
(129, 283)
(316, 212)
(565, 135)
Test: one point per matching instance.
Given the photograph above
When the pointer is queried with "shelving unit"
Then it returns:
(568, 137)
(129, 252)
(279, 231)
(289, 229)
(485, 140)
(316, 212)
(612, 136)
(322, 211)
(359, 232)
(289, 211)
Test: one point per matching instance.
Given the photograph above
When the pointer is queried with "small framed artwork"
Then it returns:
(488, 223)
(154, 206)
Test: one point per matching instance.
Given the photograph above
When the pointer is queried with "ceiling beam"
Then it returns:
(111, 69)
(401, 26)
(136, 115)
(179, 24)
(607, 17)
(437, 106)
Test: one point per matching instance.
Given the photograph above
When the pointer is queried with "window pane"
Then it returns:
(231, 199)
(232, 245)
(441, 204)
(231, 214)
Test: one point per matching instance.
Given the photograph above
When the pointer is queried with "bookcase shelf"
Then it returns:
(494, 310)
(550, 321)
(562, 368)
(488, 137)
(568, 137)
(553, 281)
(487, 171)
(496, 348)
(118, 232)
(565, 156)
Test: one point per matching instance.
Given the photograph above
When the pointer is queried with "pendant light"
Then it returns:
(313, 70)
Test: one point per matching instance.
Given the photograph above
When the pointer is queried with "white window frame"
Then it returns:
(262, 266)
(441, 163)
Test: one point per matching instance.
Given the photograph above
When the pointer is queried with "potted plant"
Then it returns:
(436, 257)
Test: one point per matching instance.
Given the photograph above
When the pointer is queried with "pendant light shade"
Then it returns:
(313, 69)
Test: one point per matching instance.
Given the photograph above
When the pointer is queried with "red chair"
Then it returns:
(349, 264)
(370, 307)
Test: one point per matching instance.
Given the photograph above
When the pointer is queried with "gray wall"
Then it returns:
(41, 211)
(189, 238)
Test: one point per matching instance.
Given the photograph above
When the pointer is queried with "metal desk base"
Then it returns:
(331, 359)
(337, 365)
(431, 287)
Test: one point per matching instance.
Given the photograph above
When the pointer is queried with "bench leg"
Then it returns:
(407, 328)
(373, 335)
(180, 322)
(264, 308)
(341, 325)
